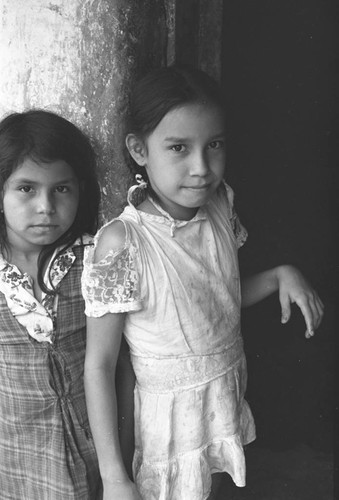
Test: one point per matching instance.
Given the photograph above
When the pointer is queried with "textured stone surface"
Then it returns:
(80, 58)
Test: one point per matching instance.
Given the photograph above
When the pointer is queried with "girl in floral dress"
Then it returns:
(49, 202)
(165, 273)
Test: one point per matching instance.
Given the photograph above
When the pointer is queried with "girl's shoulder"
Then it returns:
(110, 238)
(224, 199)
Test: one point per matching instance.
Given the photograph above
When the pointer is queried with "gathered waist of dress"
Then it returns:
(175, 373)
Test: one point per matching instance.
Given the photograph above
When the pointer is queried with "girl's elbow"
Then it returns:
(99, 367)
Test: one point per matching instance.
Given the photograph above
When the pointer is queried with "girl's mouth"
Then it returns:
(198, 188)
(46, 227)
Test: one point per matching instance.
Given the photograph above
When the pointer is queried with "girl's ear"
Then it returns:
(137, 149)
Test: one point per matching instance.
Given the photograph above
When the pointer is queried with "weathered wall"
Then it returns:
(79, 58)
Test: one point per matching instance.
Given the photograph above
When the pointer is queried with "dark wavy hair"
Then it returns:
(46, 137)
(162, 90)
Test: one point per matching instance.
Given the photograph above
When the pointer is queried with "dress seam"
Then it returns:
(191, 386)
(189, 355)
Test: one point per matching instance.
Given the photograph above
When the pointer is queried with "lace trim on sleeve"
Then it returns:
(111, 285)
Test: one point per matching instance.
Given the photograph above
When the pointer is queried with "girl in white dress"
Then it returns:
(166, 274)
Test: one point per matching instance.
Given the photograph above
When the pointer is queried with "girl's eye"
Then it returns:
(26, 189)
(215, 145)
(178, 148)
(62, 189)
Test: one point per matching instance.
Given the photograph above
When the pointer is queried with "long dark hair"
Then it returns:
(162, 90)
(45, 137)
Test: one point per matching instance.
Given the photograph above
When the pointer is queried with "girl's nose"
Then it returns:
(46, 204)
(199, 165)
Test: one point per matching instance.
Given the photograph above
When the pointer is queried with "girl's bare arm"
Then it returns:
(103, 343)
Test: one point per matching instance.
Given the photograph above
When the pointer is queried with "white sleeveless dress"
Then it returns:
(179, 282)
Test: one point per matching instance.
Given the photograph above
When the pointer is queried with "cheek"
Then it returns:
(219, 164)
(69, 209)
(11, 205)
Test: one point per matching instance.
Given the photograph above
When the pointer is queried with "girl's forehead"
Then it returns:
(192, 117)
(49, 171)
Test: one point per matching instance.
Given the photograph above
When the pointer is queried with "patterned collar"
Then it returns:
(60, 262)
(11, 275)
(39, 318)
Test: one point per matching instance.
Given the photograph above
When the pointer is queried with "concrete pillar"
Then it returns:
(79, 58)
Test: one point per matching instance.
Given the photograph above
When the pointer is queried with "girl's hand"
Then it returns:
(120, 490)
(293, 288)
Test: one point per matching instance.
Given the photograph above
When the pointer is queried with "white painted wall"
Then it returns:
(40, 61)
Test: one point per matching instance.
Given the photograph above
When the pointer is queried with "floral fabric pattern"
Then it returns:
(39, 318)
(111, 285)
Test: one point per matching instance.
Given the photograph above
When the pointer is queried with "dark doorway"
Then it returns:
(279, 63)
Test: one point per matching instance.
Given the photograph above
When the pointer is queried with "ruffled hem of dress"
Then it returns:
(188, 476)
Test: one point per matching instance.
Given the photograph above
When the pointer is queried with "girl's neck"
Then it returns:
(21, 258)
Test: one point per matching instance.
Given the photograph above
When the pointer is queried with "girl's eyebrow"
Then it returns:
(36, 181)
(68, 180)
(176, 139)
(187, 139)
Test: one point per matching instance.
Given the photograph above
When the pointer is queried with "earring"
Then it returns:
(140, 184)
(140, 181)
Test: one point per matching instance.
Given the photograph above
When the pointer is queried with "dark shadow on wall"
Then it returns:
(279, 62)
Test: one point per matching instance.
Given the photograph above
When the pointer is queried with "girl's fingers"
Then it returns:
(308, 314)
(315, 314)
(285, 307)
(317, 308)
(313, 310)
(309, 334)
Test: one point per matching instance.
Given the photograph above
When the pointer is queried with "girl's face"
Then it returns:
(185, 158)
(39, 201)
